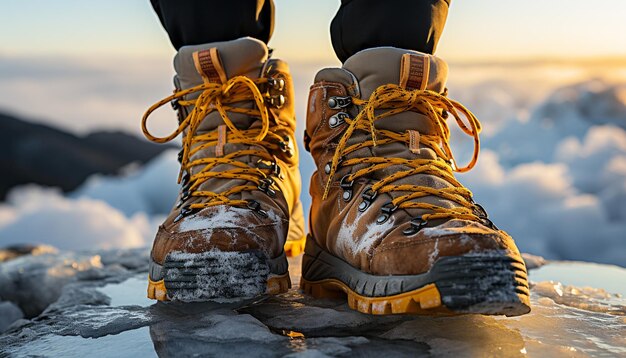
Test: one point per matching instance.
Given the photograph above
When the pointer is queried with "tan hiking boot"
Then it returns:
(240, 185)
(390, 225)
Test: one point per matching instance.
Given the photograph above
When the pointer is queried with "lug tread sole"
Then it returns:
(158, 290)
(489, 283)
(213, 276)
(426, 300)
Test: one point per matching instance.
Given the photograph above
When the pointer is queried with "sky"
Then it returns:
(477, 29)
(87, 65)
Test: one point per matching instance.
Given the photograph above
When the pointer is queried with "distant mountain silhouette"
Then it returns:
(36, 153)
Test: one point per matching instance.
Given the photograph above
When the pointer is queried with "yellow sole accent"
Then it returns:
(276, 284)
(295, 247)
(425, 300)
(157, 290)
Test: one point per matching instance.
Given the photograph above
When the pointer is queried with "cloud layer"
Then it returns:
(552, 172)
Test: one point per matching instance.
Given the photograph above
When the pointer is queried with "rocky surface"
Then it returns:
(94, 304)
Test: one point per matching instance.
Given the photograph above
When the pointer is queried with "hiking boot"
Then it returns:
(390, 226)
(240, 185)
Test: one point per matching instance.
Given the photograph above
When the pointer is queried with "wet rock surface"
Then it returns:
(97, 307)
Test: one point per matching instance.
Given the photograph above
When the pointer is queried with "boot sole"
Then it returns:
(216, 275)
(491, 283)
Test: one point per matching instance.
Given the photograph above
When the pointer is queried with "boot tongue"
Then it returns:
(389, 65)
(410, 70)
(217, 63)
(241, 57)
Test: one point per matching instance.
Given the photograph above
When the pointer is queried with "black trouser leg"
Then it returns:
(410, 24)
(194, 22)
(358, 25)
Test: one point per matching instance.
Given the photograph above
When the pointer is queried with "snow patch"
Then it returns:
(226, 217)
(151, 190)
(346, 236)
(349, 242)
(39, 215)
(434, 255)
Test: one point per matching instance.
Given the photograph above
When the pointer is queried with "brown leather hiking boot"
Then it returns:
(390, 225)
(240, 185)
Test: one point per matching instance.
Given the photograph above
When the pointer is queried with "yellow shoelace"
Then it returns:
(386, 101)
(223, 98)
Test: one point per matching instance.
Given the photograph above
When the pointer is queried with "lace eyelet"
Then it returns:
(277, 101)
(286, 146)
(175, 104)
(480, 211)
(363, 206)
(347, 187)
(337, 102)
(416, 225)
(489, 223)
(387, 210)
(327, 168)
(184, 180)
(256, 207)
(184, 196)
(338, 119)
(277, 84)
(265, 186)
(273, 166)
(368, 196)
(185, 211)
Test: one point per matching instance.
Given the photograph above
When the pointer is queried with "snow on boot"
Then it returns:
(391, 227)
(240, 185)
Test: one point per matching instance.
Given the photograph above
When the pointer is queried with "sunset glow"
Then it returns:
(485, 29)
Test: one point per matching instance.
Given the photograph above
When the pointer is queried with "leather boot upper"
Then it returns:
(384, 197)
(239, 164)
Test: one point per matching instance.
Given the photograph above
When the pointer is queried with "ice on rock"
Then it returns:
(328, 347)
(34, 282)
(131, 343)
(127, 293)
(103, 316)
(586, 298)
(9, 313)
(583, 274)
